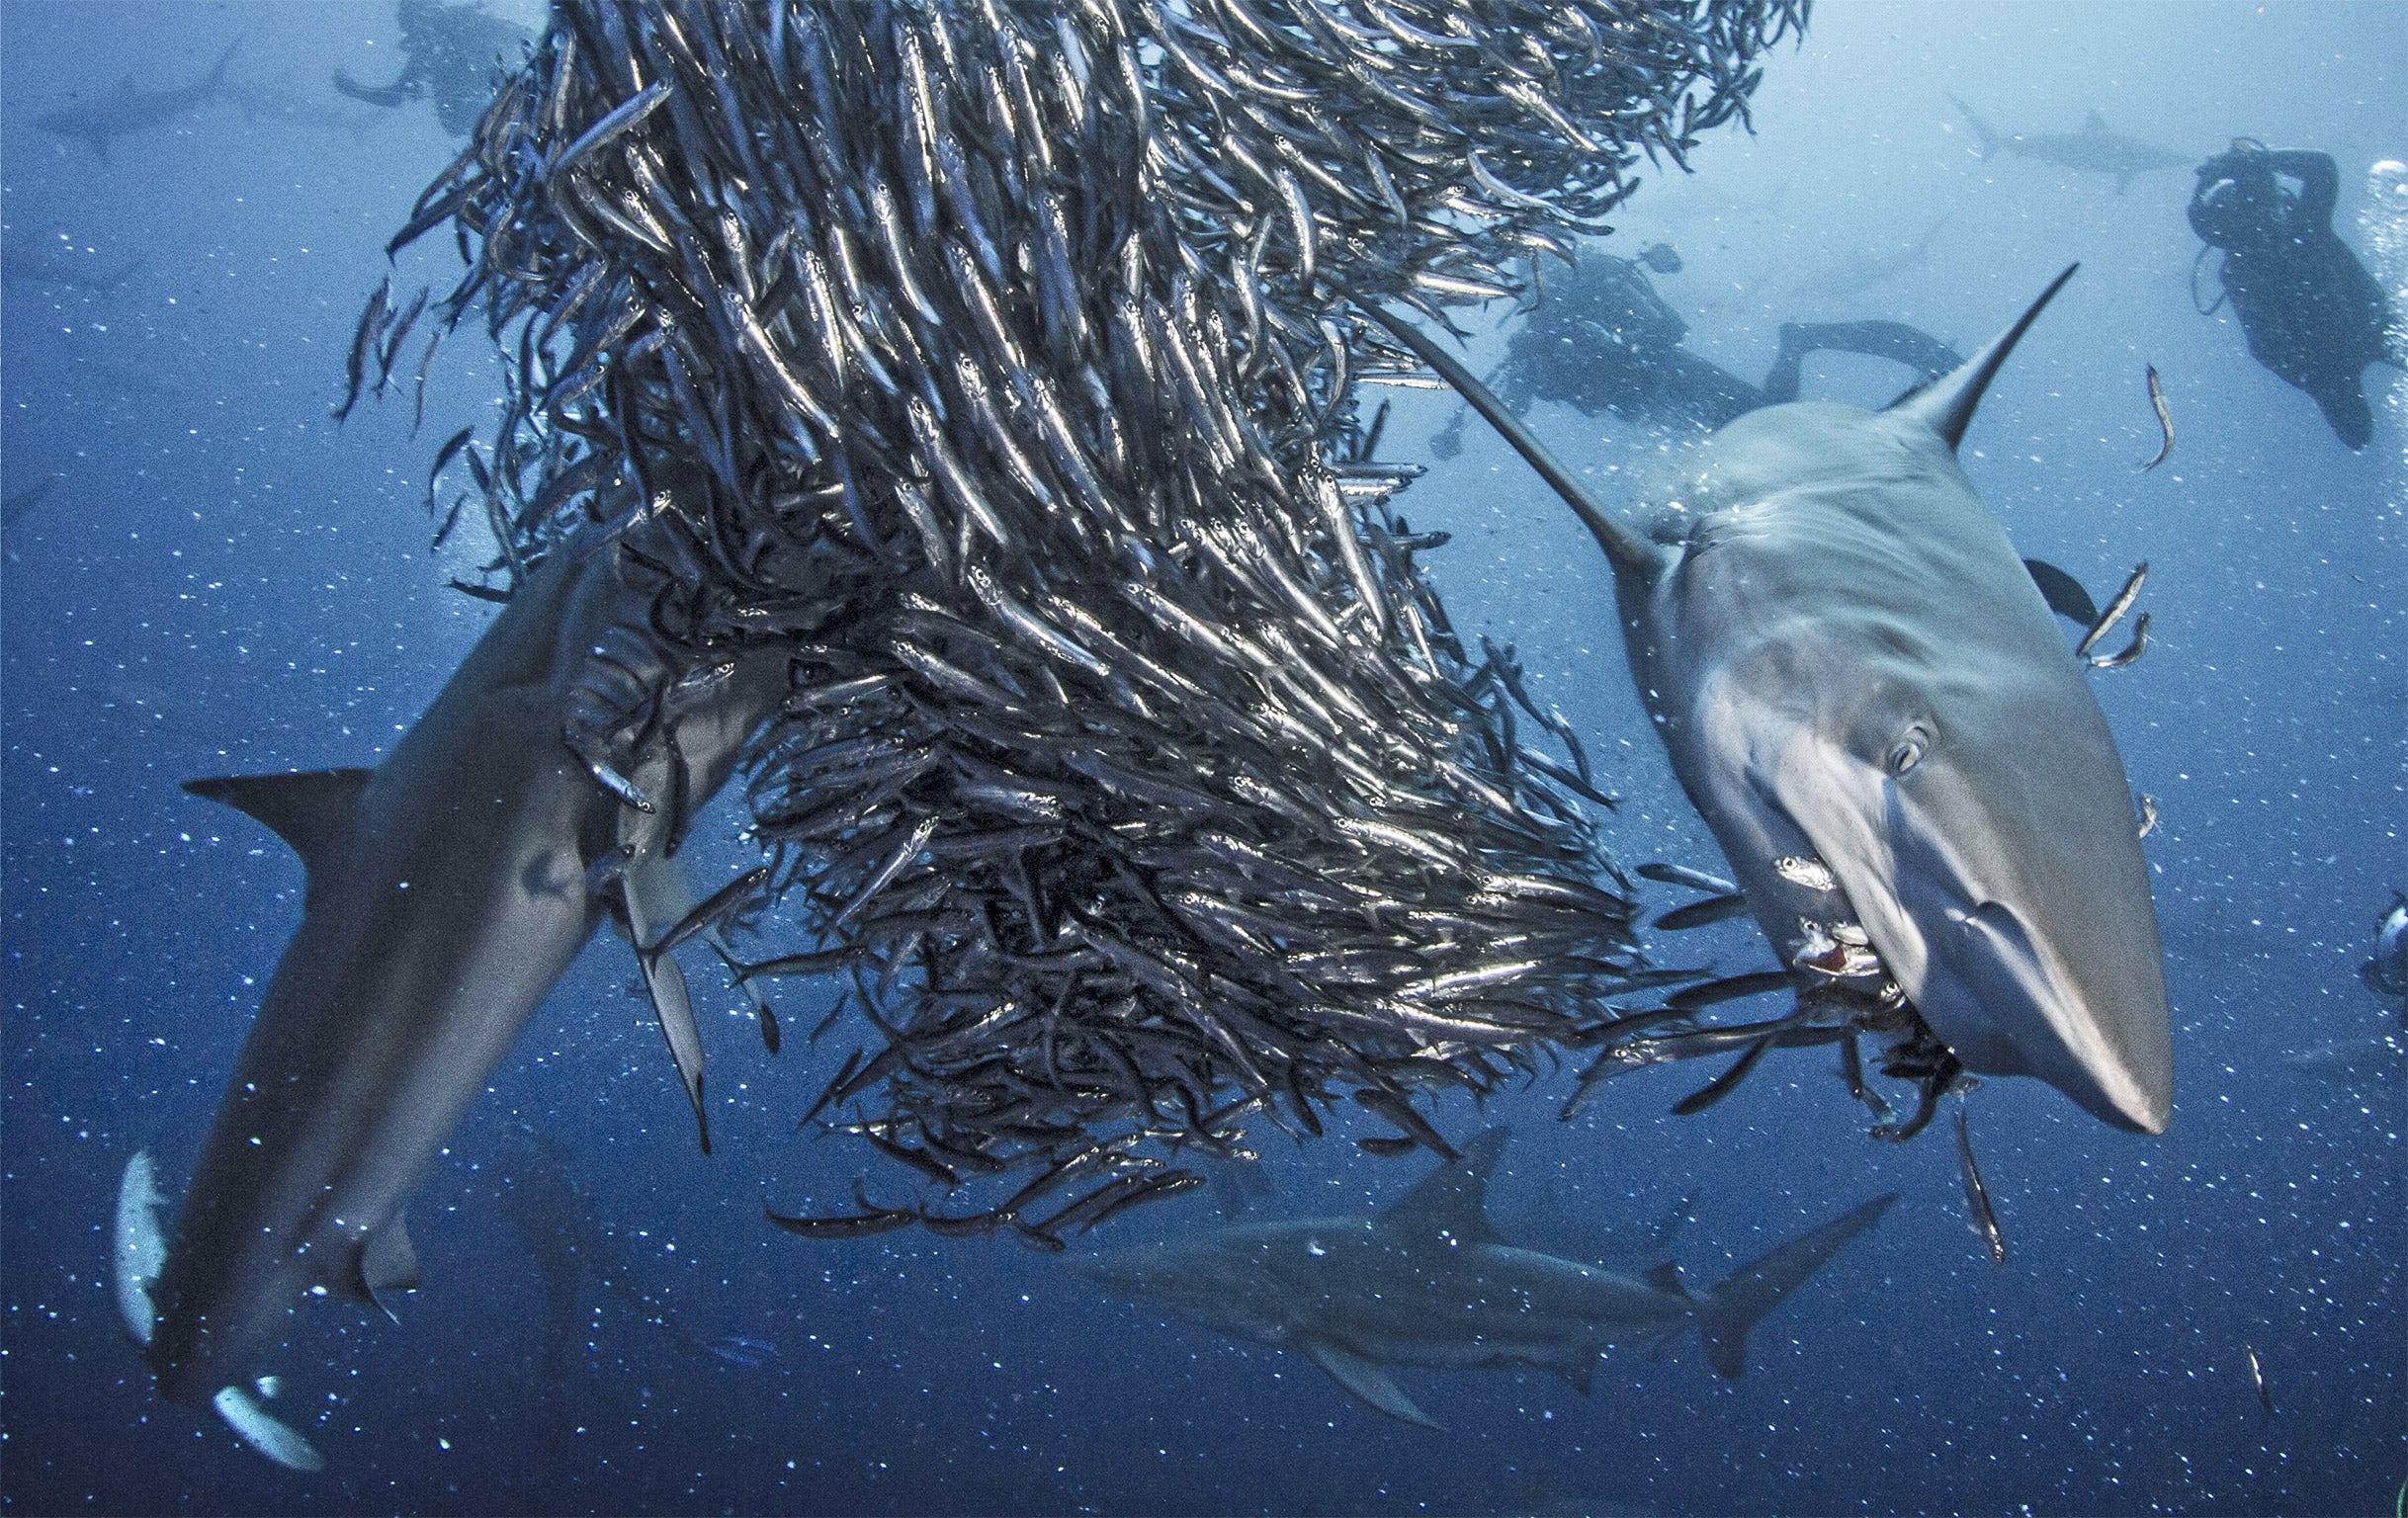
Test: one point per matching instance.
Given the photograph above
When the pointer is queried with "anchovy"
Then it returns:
(2114, 613)
(1397, 1110)
(1682, 875)
(721, 904)
(1699, 914)
(2165, 422)
(2131, 651)
(2257, 1378)
(1977, 1196)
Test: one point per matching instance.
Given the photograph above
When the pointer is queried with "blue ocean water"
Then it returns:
(222, 581)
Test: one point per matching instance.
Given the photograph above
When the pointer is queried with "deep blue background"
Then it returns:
(223, 581)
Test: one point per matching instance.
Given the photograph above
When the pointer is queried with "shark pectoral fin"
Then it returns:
(672, 1004)
(2063, 593)
(389, 1264)
(1365, 1380)
(1580, 1373)
(310, 812)
(659, 897)
(259, 1429)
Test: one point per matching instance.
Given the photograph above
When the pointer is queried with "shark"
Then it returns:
(1864, 692)
(448, 888)
(1431, 1283)
(131, 110)
(1862, 269)
(2094, 149)
(30, 266)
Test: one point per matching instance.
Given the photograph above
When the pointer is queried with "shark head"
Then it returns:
(1973, 813)
(1933, 746)
(1864, 693)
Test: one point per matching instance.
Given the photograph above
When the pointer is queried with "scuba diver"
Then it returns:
(2311, 311)
(1608, 342)
(453, 50)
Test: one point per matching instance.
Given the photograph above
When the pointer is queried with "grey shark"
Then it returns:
(2094, 150)
(1862, 269)
(128, 110)
(448, 888)
(1431, 1283)
(1864, 695)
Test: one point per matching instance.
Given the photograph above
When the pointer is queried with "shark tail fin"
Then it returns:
(1748, 1294)
(1983, 132)
(1946, 405)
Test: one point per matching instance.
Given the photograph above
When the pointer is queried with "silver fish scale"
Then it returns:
(1011, 332)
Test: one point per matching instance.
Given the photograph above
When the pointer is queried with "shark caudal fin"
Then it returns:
(1946, 405)
(137, 1248)
(1989, 140)
(1748, 1294)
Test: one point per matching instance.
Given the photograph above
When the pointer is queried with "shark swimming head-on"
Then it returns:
(1864, 693)
(448, 888)
(1431, 1283)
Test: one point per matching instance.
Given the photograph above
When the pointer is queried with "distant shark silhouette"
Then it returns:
(2091, 150)
(1861, 270)
(27, 266)
(449, 888)
(1431, 1283)
(129, 110)
(1864, 695)
(18, 504)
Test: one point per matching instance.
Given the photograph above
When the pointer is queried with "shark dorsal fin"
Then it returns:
(1452, 1200)
(2094, 121)
(311, 811)
(1946, 405)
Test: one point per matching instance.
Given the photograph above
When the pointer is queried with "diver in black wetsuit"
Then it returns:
(453, 51)
(1608, 342)
(2311, 311)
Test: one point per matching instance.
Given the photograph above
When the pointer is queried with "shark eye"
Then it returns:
(1908, 751)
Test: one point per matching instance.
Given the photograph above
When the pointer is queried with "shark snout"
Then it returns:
(2039, 942)
(2081, 1027)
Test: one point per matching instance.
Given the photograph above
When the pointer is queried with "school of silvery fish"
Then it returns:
(1001, 355)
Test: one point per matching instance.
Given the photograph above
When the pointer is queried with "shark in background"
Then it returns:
(105, 118)
(2094, 149)
(1864, 693)
(448, 888)
(1862, 269)
(1431, 1283)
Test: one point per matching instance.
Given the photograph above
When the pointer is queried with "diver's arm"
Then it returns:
(2319, 181)
(399, 93)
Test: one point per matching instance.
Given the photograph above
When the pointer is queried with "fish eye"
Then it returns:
(1908, 751)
